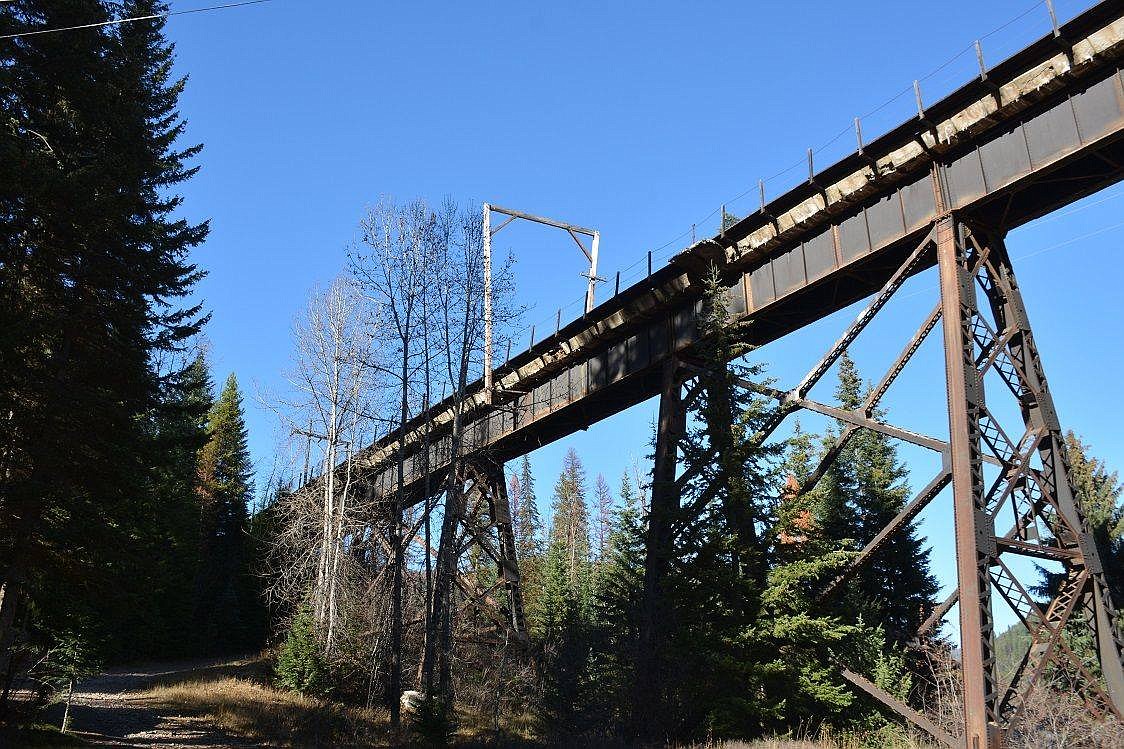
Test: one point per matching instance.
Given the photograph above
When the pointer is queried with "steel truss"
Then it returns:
(485, 522)
(1033, 489)
(476, 513)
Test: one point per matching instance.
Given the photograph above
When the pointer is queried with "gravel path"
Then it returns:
(111, 710)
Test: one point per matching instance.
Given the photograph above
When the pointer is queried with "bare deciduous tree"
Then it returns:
(408, 331)
(331, 406)
(394, 267)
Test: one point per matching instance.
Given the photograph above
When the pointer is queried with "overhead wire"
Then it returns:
(130, 19)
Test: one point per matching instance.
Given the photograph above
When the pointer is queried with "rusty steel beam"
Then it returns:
(855, 419)
(901, 275)
(1040, 413)
(879, 390)
(899, 707)
(974, 540)
(939, 613)
(1033, 618)
(1038, 655)
(659, 549)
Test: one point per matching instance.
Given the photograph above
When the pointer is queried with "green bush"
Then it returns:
(300, 666)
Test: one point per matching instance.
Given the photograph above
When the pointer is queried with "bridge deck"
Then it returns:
(1043, 130)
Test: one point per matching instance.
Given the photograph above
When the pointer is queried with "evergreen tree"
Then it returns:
(747, 655)
(566, 639)
(174, 544)
(529, 545)
(715, 591)
(896, 586)
(300, 665)
(528, 523)
(566, 607)
(836, 508)
(570, 521)
(804, 560)
(93, 270)
(616, 610)
(515, 500)
(605, 519)
(225, 491)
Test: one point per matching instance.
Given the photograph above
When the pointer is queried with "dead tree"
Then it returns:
(332, 382)
(394, 266)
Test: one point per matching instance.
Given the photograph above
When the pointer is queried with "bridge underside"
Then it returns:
(1056, 152)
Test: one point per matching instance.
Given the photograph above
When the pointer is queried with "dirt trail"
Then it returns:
(112, 710)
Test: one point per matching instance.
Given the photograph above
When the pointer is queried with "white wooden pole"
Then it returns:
(487, 303)
(592, 273)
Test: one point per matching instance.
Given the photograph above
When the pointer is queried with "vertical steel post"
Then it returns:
(487, 229)
(659, 542)
(508, 565)
(975, 539)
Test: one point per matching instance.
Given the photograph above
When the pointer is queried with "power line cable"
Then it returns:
(115, 21)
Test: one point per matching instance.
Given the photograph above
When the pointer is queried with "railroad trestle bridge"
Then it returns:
(1028, 136)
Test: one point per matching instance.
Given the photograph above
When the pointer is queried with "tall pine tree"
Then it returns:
(616, 612)
(93, 272)
(604, 519)
(566, 603)
(529, 545)
(896, 587)
(528, 522)
(226, 593)
(747, 654)
(570, 526)
(174, 542)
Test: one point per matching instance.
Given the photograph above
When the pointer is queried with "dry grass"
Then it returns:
(828, 740)
(238, 698)
(254, 710)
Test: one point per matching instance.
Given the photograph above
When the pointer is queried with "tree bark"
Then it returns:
(10, 593)
(66, 711)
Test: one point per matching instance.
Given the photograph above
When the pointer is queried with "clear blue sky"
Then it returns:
(636, 119)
